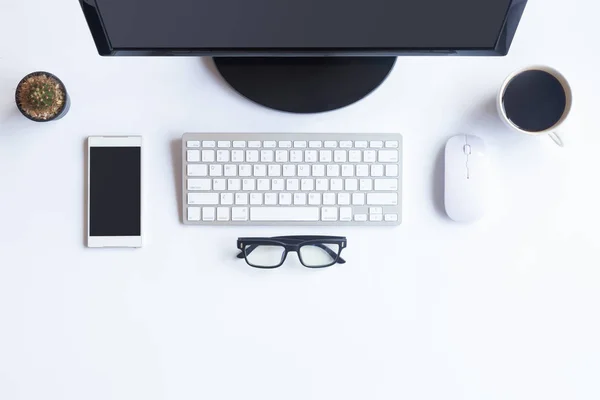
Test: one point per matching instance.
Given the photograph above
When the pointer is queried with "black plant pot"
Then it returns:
(61, 112)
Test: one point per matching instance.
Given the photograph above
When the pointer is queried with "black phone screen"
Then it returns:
(115, 191)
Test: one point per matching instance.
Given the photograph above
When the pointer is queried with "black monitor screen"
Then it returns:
(303, 24)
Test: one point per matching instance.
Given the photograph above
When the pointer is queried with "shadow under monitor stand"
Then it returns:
(305, 84)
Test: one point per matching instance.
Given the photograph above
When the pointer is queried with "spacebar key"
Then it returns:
(297, 214)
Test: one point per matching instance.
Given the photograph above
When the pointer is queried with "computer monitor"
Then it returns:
(303, 55)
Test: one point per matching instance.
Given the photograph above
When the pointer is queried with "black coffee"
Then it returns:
(534, 101)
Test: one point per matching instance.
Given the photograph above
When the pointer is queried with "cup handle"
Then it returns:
(554, 136)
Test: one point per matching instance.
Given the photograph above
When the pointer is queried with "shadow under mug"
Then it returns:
(552, 130)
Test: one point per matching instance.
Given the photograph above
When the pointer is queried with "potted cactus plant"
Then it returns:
(42, 97)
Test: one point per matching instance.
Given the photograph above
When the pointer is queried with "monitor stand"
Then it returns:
(305, 84)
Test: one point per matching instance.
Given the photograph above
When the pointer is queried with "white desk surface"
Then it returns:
(505, 309)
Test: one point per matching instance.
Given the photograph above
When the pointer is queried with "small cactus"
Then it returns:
(41, 96)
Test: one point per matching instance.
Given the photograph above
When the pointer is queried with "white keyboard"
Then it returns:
(292, 179)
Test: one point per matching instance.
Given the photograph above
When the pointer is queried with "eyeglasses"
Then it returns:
(313, 251)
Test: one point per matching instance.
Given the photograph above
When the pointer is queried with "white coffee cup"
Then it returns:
(552, 131)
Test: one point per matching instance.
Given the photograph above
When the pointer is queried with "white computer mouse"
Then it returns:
(465, 194)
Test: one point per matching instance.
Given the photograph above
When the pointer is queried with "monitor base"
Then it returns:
(305, 84)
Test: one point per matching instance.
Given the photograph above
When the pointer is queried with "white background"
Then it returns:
(504, 309)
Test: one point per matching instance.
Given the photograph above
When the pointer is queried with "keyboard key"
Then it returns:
(285, 199)
(267, 156)
(208, 155)
(377, 170)
(315, 144)
(260, 170)
(234, 185)
(241, 199)
(361, 144)
(370, 156)
(203, 198)
(376, 144)
(263, 185)
(251, 156)
(344, 199)
(256, 199)
(219, 185)
(299, 199)
(289, 170)
(248, 185)
(362, 170)
(347, 170)
(391, 217)
(303, 170)
(296, 156)
(285, 144)
(329, 199)
(245, 170)
(269, 144)
(337, 184)
(345, 144)
(388, 156)
(325, 156)
(254, 144)
(223, 155)
(386, 184)
(230, 170)
(300, 143)
(223, 143)
(392, 144)
(375, 217)
(329, 214)
(193, 143)
(360, 217)
(333, 170)
(340, 156)
(216, 170)
(239, 214)
(194, 212)
(292, 185)
(239, 144)
(278, 185)
(307, 185)
(281, 156)
(311, 156)
(346, 214)
(274, 170)
(193, 156)
(322, 185)
(358, 199)
(271, 199)
(384, 199)
(366, 185)
(208, 213)
(237, 156)
(375, 210)
(223, 214)
(391, 170)
(351, 185)
(314, 199)
(330, 144)
(199, 184)
(197, 170)
(290, 214)
(318, 170)
(227, 199)
(209, 144)
(354, 156)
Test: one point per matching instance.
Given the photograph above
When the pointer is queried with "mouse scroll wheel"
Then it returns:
(467, 149)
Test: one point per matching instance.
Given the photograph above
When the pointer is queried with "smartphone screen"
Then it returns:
(114, 194)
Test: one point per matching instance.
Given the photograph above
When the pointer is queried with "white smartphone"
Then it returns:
(114, 191)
